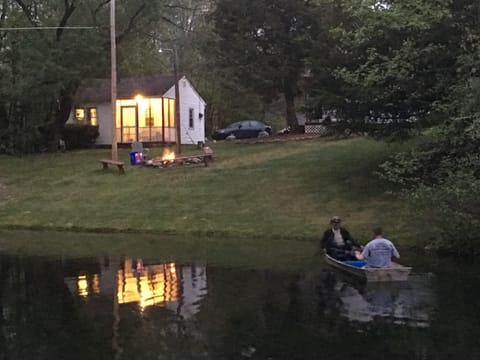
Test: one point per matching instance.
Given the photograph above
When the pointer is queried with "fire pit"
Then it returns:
(169, 159)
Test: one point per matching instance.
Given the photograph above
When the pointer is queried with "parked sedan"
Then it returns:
(242, 130)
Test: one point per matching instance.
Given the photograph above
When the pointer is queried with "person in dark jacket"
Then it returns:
(338, 242)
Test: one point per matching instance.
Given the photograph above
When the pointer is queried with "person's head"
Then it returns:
(335, 222)
(377, 231)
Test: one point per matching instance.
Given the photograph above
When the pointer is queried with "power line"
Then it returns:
(48, 28)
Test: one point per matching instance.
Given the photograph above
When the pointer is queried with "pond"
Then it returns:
(124, 307)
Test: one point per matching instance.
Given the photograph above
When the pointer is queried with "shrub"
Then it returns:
(79, 136)
(446, 215)
(441, 179)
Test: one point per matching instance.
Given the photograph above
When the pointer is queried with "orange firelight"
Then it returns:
(168, 155)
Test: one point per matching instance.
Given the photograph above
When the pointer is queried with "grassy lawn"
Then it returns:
(265, 193)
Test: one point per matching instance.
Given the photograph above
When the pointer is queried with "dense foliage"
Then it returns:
(441, 178)
(79, 136)
(265, 44)
(47, 50)
(390, 61)
(41, 69)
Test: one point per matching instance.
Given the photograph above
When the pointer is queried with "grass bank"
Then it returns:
(157, 248)
(265, 192)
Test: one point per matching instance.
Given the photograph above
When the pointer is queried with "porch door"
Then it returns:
(129, 123)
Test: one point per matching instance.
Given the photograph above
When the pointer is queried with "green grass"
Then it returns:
(265, 193)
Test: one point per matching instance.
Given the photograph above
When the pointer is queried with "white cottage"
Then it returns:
(145, 110)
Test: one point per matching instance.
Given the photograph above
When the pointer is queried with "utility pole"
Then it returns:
(113, 58)
(177, 100)
(178, 135)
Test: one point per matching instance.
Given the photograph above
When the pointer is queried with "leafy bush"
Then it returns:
(16, 140)
(447, 215)
(385, 131)
(441, 179)
(79, 136)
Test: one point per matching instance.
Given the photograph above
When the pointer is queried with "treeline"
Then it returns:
(368, 61)
(413, 62)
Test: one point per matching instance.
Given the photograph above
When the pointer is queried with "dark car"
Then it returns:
(242, 130)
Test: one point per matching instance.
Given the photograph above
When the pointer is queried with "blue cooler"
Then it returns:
(136, 158)
(356, 263)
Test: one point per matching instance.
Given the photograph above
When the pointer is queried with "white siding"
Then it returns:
(189, 98)
(104, 120)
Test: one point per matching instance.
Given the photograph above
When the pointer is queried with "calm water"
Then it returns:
(111, 308)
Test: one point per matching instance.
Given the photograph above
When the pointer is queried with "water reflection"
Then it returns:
(174, 287)
(109, 308)
(404, 303)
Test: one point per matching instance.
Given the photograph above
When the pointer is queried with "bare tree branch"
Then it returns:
(181, 7)
(3, 17)
(68, 11)
(28, 13)
(99, 7)
(131, 23)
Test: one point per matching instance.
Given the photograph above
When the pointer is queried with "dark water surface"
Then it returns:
(126, 308)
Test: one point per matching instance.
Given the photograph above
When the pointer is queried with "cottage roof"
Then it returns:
(98, 90)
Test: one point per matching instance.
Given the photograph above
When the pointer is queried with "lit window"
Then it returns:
(149, 120)
(92, 115)
(80, 114)
(190, 118)
(171, 113)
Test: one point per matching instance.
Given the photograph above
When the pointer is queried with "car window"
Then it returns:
(234, 125)
(258, 124)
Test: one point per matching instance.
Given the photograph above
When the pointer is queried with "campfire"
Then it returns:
(168, 155)
(170, 159)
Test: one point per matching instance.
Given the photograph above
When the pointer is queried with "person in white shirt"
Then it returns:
(378, 252)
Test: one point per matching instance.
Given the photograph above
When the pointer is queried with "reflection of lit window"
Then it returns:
(155, 285)
(92, 116)
(82, 284)
(96, 284)
(80, 114)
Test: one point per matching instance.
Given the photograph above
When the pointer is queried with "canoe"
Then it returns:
(396, 272)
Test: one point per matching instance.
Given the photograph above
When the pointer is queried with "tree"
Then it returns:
(41, 69)
(441, 177)
(388, 60)
(264, 45)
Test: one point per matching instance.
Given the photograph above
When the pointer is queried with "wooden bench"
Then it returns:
(119, 164)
